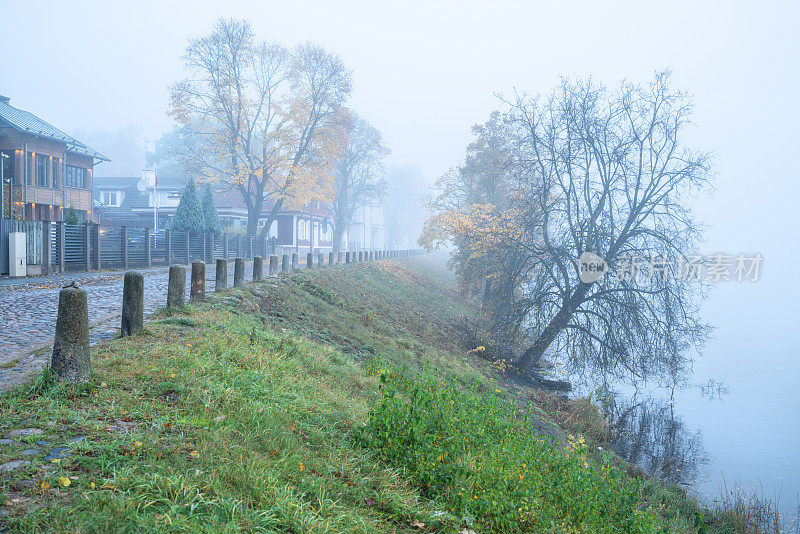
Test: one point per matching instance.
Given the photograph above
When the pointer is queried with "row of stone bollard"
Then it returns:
(71, 361)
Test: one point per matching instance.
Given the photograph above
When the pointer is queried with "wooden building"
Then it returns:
(44, 169)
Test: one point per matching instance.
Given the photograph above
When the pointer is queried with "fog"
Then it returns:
(425, 72)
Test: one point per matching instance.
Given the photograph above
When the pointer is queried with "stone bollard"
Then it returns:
(176, 288)
(309, 260)
(238, 272)
(221, 283)
(198, 288)
(285, 263)
(347, 257)
(360, 255)
(330, 259)
(71, 362)
(258, 268)
(133, 303)
(273, 265)
(320, 260)
(295, 261)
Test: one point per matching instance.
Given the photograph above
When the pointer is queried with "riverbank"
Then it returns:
(337, 399)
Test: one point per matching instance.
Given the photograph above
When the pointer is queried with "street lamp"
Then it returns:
(4, 156)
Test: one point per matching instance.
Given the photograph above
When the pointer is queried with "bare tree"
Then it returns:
(606, 172)
(359, 173)
(260, 118)
(584, 170)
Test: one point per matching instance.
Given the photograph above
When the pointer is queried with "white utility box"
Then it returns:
(17, 254)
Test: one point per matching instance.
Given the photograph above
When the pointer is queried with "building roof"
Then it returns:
(27, 122)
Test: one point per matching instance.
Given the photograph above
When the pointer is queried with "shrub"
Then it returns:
(480, 457)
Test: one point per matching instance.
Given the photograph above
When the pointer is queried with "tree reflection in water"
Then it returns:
(646, 432)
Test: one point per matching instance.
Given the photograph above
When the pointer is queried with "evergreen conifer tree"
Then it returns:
(188, 215)
(210, 217)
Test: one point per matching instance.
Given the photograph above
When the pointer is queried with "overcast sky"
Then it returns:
(425, 72)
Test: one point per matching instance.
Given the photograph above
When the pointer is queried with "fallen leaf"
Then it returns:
(418, 524)
(194, 454)
(64, 481)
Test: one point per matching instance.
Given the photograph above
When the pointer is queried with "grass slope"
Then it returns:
(336, 400)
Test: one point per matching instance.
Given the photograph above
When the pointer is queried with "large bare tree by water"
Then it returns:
(605, 171)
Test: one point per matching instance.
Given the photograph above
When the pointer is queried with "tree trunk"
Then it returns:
(338, 232)
(273, 214)
(531, 357)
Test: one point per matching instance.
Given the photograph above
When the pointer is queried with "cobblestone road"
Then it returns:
(28, 310)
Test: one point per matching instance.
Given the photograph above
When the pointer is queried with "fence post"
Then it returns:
(273, 265)
(221, 281)
(188, 237)
(238, 272)
(198, 288)
(47, 268)
(148, 248)
(132, 303)
(330, 258)
(285, 263)
(60, 245)
(258, 267)
(210, 256)
(310, 260)
(225, 246)
(124, 247)
(320, 259)
(87, 246)
(168, 238)
(295, 260)
(71, 362)
(176, 287)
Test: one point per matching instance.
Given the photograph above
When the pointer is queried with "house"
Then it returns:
(367, 229)
(44, 169)
(126, 201)
(123, 201)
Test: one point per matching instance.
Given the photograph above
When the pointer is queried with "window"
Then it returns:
(325, 231)
(303, 229)
(109, 198)
(56, 173)
(41, 170)
(8, 164)
(76, 177)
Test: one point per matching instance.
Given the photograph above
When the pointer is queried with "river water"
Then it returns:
(746, 432)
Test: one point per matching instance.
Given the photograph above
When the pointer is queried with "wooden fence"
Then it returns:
(56, 246)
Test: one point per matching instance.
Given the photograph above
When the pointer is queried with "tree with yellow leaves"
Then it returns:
(260, 118)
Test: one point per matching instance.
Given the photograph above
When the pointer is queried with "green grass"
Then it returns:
(342, 400)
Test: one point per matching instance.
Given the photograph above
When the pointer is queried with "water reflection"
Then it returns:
(646, 432)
